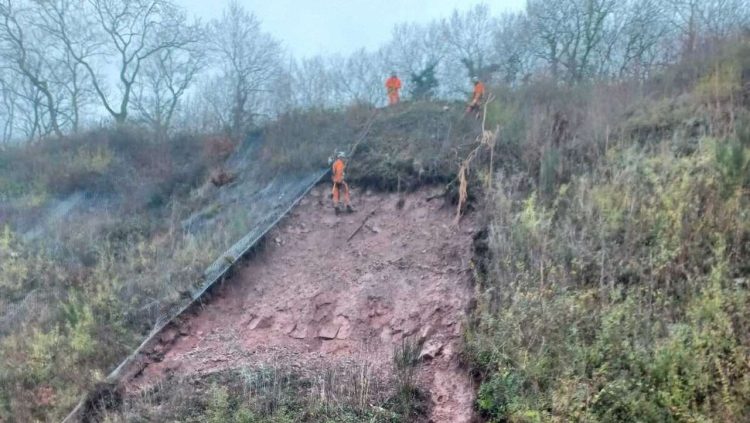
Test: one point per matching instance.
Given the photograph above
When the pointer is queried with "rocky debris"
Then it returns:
(425, 333)
(447, 351)
(299, 332)
(168, 336)
(408, 326)
(345, 329)
(377, 307)
(172, 367)
(329, 331)
(248, 319)
(373, 229)
(306, 302)
(285, 327)
(184, 330)
(221, 177)
(261, 323)
(456, 328)
(430, 350)
(324, 298)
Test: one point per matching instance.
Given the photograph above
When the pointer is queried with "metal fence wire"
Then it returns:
(279, 198)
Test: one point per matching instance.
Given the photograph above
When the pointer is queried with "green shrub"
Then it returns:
(496, 396)
(14, 268)
(624, 298)
(218, 405)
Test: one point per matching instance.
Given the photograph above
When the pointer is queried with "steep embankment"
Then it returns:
(312, 298)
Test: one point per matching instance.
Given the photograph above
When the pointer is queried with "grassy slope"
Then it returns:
(78, 295)
(343, 393)
(614, 284)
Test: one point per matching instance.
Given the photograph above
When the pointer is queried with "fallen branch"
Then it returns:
(432, 197)
(359, 228)
(373, 229)
(487, 140)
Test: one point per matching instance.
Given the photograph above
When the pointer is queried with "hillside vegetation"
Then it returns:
(610, 175)
(613, 277)
(81, 287)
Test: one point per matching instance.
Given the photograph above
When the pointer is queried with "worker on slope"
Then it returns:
(337, 175)
(393, 85)
(475, 105)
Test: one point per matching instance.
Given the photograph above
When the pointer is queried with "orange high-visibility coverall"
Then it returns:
(393, 84)
(478, 93)
(476, 99)
(337, 171)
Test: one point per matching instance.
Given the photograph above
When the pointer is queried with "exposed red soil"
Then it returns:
(310, 296)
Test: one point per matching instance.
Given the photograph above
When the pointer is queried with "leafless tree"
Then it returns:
(685, 16)
(167, 75)
(57, 58)
(210, 106)
(413, 48)
(549, 24)
(469, 37)
(248, 58)
(22, 45)
(592, 21)
(29, 104)
(359, 78)
(697, 21)
(130, 30)
(724, 17)
(641, 28)
(314, 83)
(570, 33)
(8, 107)
(513, 47)
(67, 25)
(75, 81)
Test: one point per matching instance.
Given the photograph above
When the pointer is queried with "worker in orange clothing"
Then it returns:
(393, 84)
(337, 173)
(475, 105)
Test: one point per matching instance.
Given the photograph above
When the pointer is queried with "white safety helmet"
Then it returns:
(340, 155)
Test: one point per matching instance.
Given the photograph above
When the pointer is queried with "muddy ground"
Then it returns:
(310, 296)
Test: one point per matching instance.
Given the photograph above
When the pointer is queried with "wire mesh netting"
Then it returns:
(266, 207)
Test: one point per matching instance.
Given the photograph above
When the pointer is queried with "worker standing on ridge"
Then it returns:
(393, 84)
(337, 173)
(475, 105)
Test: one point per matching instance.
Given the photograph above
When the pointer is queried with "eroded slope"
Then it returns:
(310, 296)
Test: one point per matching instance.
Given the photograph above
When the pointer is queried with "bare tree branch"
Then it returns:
(249, 58)
(29, 62)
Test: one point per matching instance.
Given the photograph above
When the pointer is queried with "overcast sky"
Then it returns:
(311, 27)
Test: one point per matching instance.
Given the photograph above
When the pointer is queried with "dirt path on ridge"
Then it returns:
(310, 296)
